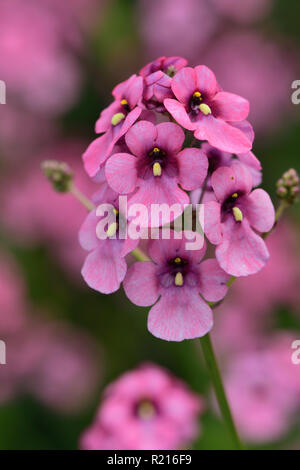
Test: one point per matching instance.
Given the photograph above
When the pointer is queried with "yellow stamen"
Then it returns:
(112, 230)
(235, 195)
(146, 410)
(205, 109)
(179, 280)
(115, 211)
(177, 260)
(124, 102)
(237, 213)
(117, 118)
(156, 169)
(156, 150)
(197, 94)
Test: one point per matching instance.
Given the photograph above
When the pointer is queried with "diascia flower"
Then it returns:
(176, 276)
(155, 168)
(105, 267)
(157, 77)
(202, 106)
(145, 408)
(232, 220)
(114, 122)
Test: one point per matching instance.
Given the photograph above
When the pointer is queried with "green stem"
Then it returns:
(81, 198)
(216, 379)
(139, 255)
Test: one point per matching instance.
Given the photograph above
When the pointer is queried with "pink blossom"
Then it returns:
(245, 11)
(230, 221)
(146, 408)
(157, 76)
(204, 108)
(245, 62)
(261, 405)
(105, 267)
(114, 122)
(174, 27)
(155, 167)
(176, 276)
(12, 297)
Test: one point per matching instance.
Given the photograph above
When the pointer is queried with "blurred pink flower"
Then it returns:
(12, 297)
(244, 11)
(146, 408)
(33, 212)
(174, 27)
(257, 69)
(262, 402)
(53, 362)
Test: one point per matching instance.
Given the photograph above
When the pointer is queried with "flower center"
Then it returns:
(178, 268)
(157, 157)
(125, 105)
(113, 227)
(196, 104)
(146, 410)
(229, 207)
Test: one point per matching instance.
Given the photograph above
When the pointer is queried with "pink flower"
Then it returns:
(262, 407)
(176, 276)
(245, 62)
(146, 408)
(230, 221)
(157, 76)
(155, 168)
(245, 11)
(114, 122)
(105, 267)
(12, 297)
(202, 107)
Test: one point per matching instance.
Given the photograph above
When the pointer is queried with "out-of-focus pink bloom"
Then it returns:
(33, 212)
(114, 122)
(245, 11)
(12, 297)
(173, 27)
(262, 404)
(230, 221)
(176, 276)
(201, 106)
(38, 68)
(53, 362)
(155, 167)
(146, 408)
(245, 64)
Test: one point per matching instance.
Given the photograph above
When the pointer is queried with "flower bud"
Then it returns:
(288, 186)
(59, 174)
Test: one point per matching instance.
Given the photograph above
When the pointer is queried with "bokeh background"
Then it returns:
(65, 342)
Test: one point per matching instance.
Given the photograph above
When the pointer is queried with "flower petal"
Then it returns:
(140, 284)
(230, 107)
(260, 210)
(212, 222)
(96, 154)
(141, 137)
(104, 269)
(184, 84)
(228, 180)
(213, 280)
(242, 252)
(206, 81)
(170, 137)
(180, 314)
(193, 165)
(222, 135)
(87, 233)
(121, 172)
(178, 112)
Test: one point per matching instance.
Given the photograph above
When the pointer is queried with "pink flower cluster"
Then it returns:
(172, 136)
(145, 408)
